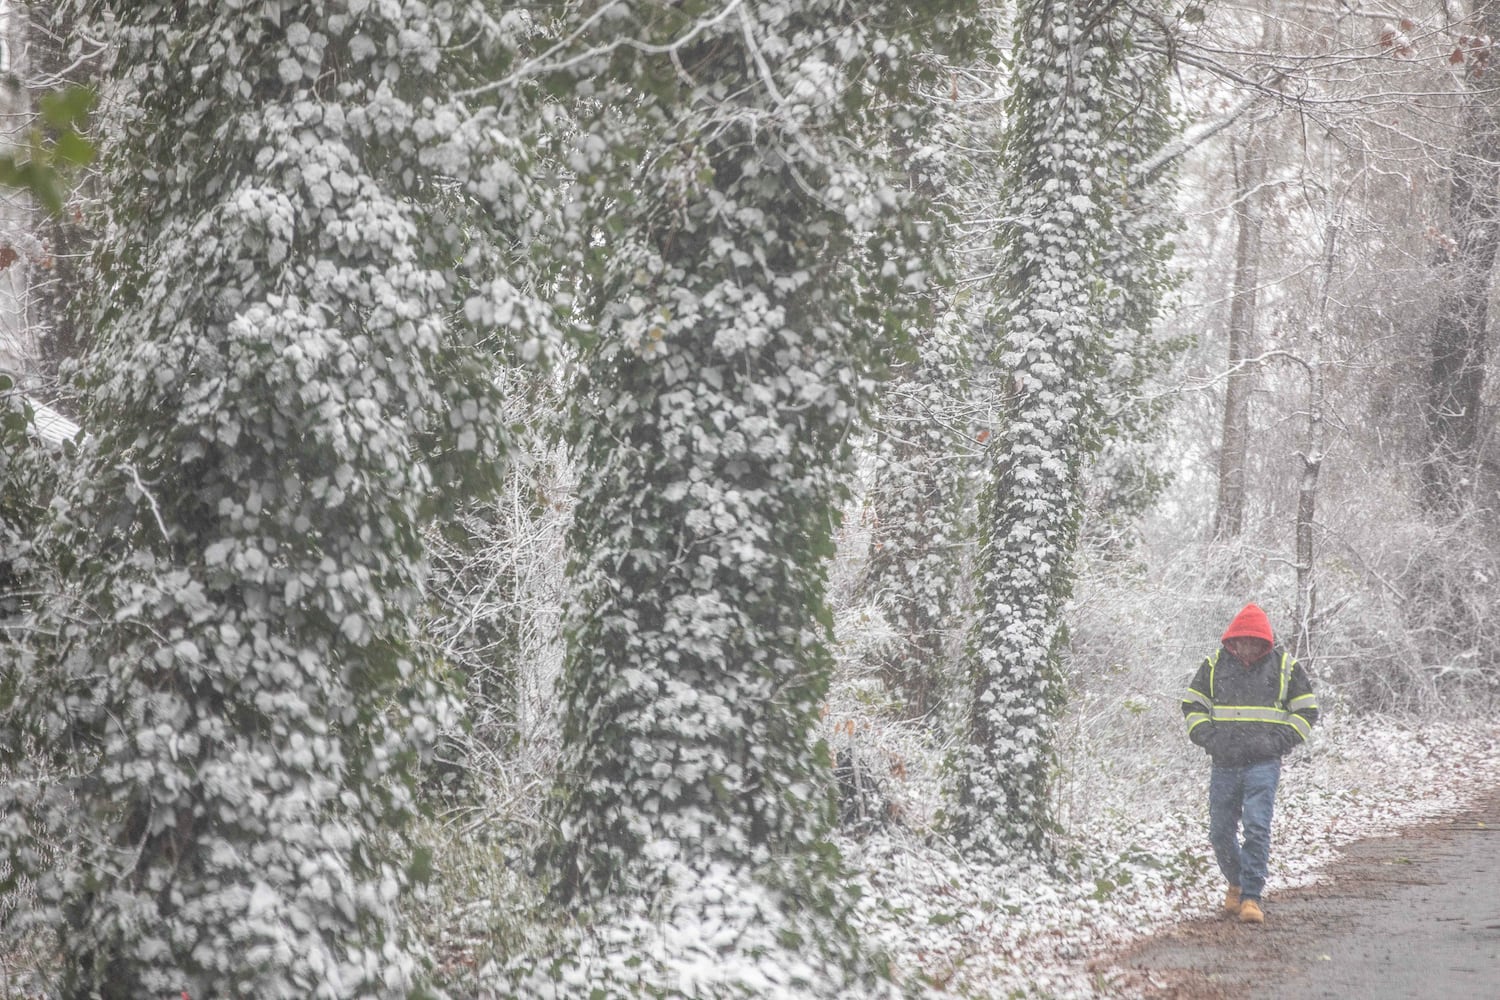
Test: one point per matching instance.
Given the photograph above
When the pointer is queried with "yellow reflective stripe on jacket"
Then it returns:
(1299, 703)
(1258, 713)
(1249, 713)
(1196, 719)
(1206, 700)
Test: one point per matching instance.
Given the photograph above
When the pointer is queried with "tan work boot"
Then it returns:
(1232, 900)
(1250, 912)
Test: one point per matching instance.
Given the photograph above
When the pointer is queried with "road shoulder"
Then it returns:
(1414, 915)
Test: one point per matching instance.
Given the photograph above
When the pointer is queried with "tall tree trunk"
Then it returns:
(1249, 176)
(1307, 502)
(1460, 327)
(1066, 256)
(1306, 609)
(922, 502)
(735, 318)
(218, 734)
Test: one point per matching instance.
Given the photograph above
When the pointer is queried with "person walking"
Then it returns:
(1248, 705)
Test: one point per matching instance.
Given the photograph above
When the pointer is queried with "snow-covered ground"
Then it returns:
(1134, 855)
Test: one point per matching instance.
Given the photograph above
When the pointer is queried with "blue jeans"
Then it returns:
(1243, 796)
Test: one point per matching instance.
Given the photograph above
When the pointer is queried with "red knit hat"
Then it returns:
(1250, 623)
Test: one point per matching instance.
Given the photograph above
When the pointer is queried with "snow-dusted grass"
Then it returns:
(1134, 854)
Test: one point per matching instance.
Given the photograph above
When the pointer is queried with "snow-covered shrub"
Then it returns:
(1139, 625)
(1406, 605)
(493, 609)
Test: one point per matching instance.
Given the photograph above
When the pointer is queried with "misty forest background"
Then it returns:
(557, 482)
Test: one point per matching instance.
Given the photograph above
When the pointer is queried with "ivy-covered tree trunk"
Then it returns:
(217, 740)
(922, 502)
(1073, 273)
(743, 282)
(1128, 473)
(27, 479)
(927, 439)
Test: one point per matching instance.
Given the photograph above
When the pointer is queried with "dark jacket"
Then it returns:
(1246, 714)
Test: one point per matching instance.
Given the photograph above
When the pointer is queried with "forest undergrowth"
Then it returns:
(1129, 852)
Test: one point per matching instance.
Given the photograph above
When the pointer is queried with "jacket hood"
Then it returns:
(1250, 623)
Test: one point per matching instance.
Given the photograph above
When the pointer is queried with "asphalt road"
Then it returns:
(1414, 917)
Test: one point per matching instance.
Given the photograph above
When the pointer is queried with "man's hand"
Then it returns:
(1210, 741)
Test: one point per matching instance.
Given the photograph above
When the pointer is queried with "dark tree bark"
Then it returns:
(1460, 326)
(1250, 173)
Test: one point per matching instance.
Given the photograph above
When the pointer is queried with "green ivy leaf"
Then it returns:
(74, 150)
(67, 108)
(420, 869)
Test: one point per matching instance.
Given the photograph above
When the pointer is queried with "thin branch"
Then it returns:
(135, 476)
(539, 65)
